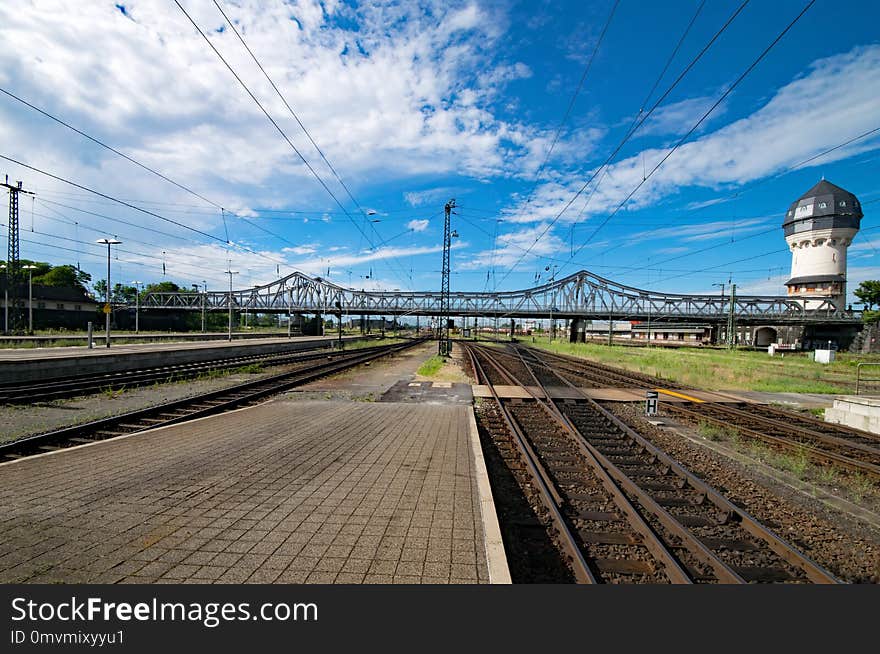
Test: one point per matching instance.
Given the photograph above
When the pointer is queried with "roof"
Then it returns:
(812, 279)
(51, 293)
(824, 199)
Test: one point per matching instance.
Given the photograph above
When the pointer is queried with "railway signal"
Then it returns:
(651, 401)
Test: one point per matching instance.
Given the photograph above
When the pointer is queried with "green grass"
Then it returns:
(432, 366)
(723, 369)
(716, 433)
(251, 369)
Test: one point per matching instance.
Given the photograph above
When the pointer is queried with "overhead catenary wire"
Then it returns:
(274, 123)
(143, 166)
(700, 121)
(132, 206)
(571, 103)
(785, 171)
(290, 109)
(630, 133)
(644, 104)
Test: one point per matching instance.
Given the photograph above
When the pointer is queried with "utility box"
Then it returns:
(823, 356)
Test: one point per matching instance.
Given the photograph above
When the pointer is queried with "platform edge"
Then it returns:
(496, 559)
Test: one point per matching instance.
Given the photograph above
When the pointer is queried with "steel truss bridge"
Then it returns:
(582, 295)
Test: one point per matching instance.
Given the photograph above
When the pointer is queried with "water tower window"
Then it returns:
(823, 205)
(843, 203)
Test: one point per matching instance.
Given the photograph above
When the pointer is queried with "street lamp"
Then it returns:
(108, 242)
(30, 270)
(230, 273)
(137, 307)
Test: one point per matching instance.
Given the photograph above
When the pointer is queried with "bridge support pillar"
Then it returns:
(512, 328)
(577, 330)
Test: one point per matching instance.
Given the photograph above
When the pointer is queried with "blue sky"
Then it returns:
(414, 103)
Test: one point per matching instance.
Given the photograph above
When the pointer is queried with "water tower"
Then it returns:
(819, 227)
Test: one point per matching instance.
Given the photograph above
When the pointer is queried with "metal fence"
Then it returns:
(863, 382)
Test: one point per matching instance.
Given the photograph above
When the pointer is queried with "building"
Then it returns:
(55, 307)
(819, 227)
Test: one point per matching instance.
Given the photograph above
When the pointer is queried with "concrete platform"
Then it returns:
(856, 411)
(429, 392)
(291, 491)
(41, 363)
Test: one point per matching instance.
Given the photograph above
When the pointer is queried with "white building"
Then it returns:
(819, 227)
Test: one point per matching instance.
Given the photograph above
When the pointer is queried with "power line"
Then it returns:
(137, 163)
(630, 133)
(769, 179)
(274, 123)
(647, 99)
(289, 108)
(571, 103)
(132, 206)
(699, 122)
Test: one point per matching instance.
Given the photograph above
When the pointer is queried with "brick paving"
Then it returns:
(288, 492)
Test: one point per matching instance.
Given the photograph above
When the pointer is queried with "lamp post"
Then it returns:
(137, 307)
(108, 242)
(30, 268)
(230, 273)
(5, 301)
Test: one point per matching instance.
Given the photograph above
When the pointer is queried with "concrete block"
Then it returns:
(856, 411)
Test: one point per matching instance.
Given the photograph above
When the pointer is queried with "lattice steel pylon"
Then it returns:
(14, 302)
(444, 344)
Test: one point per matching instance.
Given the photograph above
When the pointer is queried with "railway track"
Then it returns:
(850, 452)
(64, 387)
(191, 408)
(596, 375)
(847, 448)
(620, 509)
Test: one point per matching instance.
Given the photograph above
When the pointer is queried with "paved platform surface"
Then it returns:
(42, 353)
(292, 491)
(430, 392)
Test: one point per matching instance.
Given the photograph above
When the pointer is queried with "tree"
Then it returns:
(124, 294)
(869, 293)
(164, 287)
(100, 288)
(65, 275)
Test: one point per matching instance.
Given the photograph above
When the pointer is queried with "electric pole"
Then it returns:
(13, 261)
(444, 344)
(731, 319)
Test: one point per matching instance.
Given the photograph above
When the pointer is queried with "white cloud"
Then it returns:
(418, 225)
(833, 101)
(302, 249)
(677, 118)
(410, 87)
(428, 196)
(511, 246)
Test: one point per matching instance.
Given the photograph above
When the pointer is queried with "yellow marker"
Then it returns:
(681, 395)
